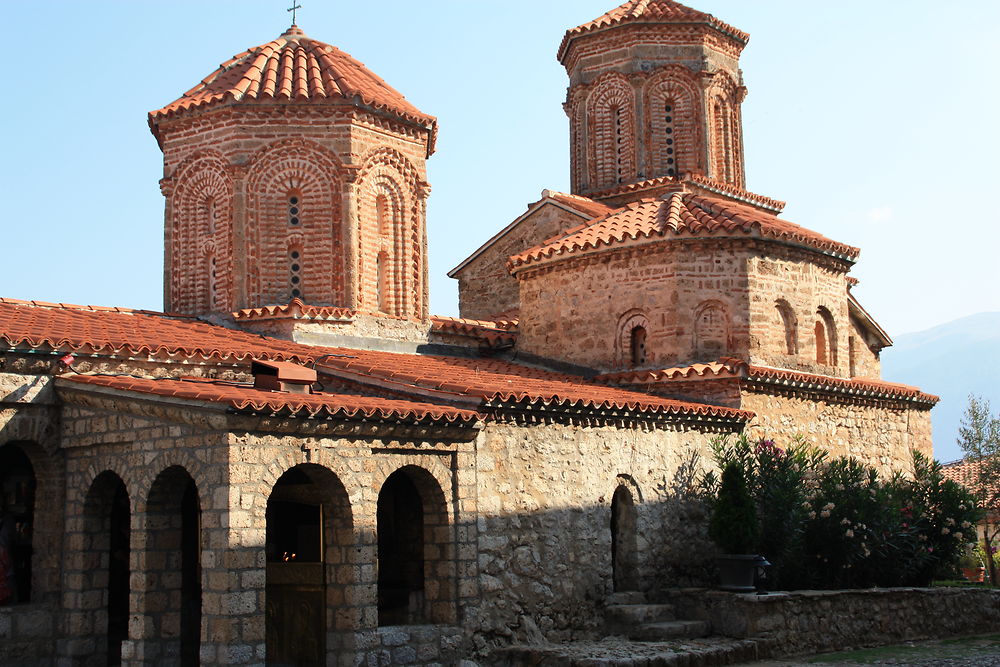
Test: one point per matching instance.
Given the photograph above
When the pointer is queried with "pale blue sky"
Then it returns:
(876, 121)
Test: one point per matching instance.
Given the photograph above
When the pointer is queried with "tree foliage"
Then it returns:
(979, 438)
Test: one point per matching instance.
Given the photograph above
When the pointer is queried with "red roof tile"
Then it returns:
(681, 215)
(133, 333)
(586, 205)
(735, 368)
(507, 382)
(245, 398)
(296, 309)
(292, 68)
(494, 334)
(650, 11)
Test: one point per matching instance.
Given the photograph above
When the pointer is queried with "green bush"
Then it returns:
(837, 524)
(733, 524)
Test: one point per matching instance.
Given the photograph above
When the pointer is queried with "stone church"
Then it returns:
(296, 463)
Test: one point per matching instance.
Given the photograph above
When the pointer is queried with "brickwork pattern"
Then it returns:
(485, 287)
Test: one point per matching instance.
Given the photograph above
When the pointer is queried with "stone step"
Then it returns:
(669, 630)
(707, 652)
(623, 618)
(627, 597)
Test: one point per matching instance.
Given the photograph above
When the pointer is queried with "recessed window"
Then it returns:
(294, 217)
(294, 275)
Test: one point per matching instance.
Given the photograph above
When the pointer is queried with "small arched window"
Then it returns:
(294, 208)
(213, 283)
(211, 215)
(826, 338)
(295, 273)
(790, 326)
(637, 346)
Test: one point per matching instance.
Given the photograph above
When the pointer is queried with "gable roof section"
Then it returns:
(587, 209)
(677, 216)
(649, 11)
(245, 399)
(867, 321)
(502, 382)
(292, 68)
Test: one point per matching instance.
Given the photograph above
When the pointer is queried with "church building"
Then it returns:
(297, 464)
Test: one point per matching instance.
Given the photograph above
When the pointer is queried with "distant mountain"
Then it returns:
(952, 361)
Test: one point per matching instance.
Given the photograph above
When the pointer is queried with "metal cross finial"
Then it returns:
(292, 10)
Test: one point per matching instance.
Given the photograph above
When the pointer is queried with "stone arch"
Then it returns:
(624, 531)
(99, 609)
(711, 331)
(825, 337)
(632, 326)
(611, 131)
(310, 576)
(789, 326)
(416, 550)
(389, 175)
(309, 173)
(673, 125)
(201, 236)
(171, 598)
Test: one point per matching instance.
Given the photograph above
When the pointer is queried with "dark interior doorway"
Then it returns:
(400, 552)
(296, 585)
(17, 517)
(623, 541)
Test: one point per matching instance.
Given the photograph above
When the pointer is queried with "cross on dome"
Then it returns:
(293, 9)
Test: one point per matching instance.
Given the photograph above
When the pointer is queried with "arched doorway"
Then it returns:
(415, 551)
(623, 542)
(107, 518)
(173, 546)
(309, 535)
(17, 519)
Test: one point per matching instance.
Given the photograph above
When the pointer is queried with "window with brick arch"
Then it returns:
(294, 199)
(826, 338)
(637, 346)
(295, 288)
(790, 325)
(611, 131)
(669, 137)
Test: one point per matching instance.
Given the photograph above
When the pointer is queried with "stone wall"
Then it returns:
(485, 287)
(801, 283)
(544, 524)
(690, 296)
(806, 622)
(879, 433)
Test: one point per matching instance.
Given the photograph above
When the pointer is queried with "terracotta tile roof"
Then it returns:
(292, 68)
(681, 215)
(296, 309)
(494, 334)
(501, 381)
(133, 333)
(244, 398)
(593, 209)
(122, 331)
(650, 11)
(735, 368)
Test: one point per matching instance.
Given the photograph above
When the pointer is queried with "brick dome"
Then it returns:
(292, 69)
